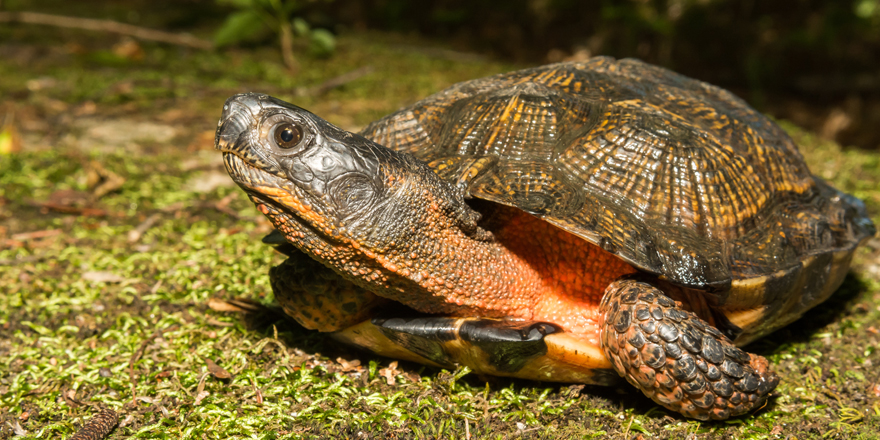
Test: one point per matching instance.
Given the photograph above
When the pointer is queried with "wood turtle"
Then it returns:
(575, 222)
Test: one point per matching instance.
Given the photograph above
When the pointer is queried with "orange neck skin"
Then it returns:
(530, 270)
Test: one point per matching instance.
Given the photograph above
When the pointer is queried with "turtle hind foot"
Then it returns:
(676, 358)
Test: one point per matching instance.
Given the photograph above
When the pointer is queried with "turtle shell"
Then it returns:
(675, 176)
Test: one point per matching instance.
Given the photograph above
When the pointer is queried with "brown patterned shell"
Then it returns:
(677, 177)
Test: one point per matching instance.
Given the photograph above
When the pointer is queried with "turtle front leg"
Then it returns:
(318, 298)
(676, 358)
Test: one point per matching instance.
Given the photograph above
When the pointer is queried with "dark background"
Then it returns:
(813, 62)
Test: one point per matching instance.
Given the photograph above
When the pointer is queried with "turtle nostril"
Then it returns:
(231, 127)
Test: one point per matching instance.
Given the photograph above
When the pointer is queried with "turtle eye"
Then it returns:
(287, 135)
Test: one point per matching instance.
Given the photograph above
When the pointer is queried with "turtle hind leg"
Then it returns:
(676, 358)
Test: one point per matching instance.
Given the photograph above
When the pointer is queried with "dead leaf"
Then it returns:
(238, 305)
(147, 399)
(10, 140)
(203, 141)
(200, 396)
(101, 180)
(17, 429)
(86, 108)
(25, 236)
(389, 373)
(102, 277)
(349, 365)
(135, 234)
(69, 202)
(127, 421)
(69, 197)
(216, 370)
(209, 181)
(221, 305)
(838, 120)
(42, 83)
(201, 386)
(129, 49)
(257, 391)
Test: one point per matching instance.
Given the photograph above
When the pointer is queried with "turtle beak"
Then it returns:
(237, 119)
(235, 139)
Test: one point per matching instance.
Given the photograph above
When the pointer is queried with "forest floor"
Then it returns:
(122, 237)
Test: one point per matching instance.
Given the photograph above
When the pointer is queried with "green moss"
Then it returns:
(67, 338)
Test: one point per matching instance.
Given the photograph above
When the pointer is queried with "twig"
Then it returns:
(24, 236)
(98, 426)
(286, 35)
(135, 234)
(222, 206)
(106, 26)
(335, 82)
(137, 355)
(67, 209)
(22, 260)
(443, 54)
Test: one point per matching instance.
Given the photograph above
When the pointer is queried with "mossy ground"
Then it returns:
(92, 314)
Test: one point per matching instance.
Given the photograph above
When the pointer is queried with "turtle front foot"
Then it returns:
(676, 358)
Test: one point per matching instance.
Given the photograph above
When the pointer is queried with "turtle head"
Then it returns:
(316, 181)
(271, 147)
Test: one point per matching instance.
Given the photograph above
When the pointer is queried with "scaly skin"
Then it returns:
(676, 358)
(319, 299)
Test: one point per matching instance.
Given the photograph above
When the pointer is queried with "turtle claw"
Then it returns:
(676, 358)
